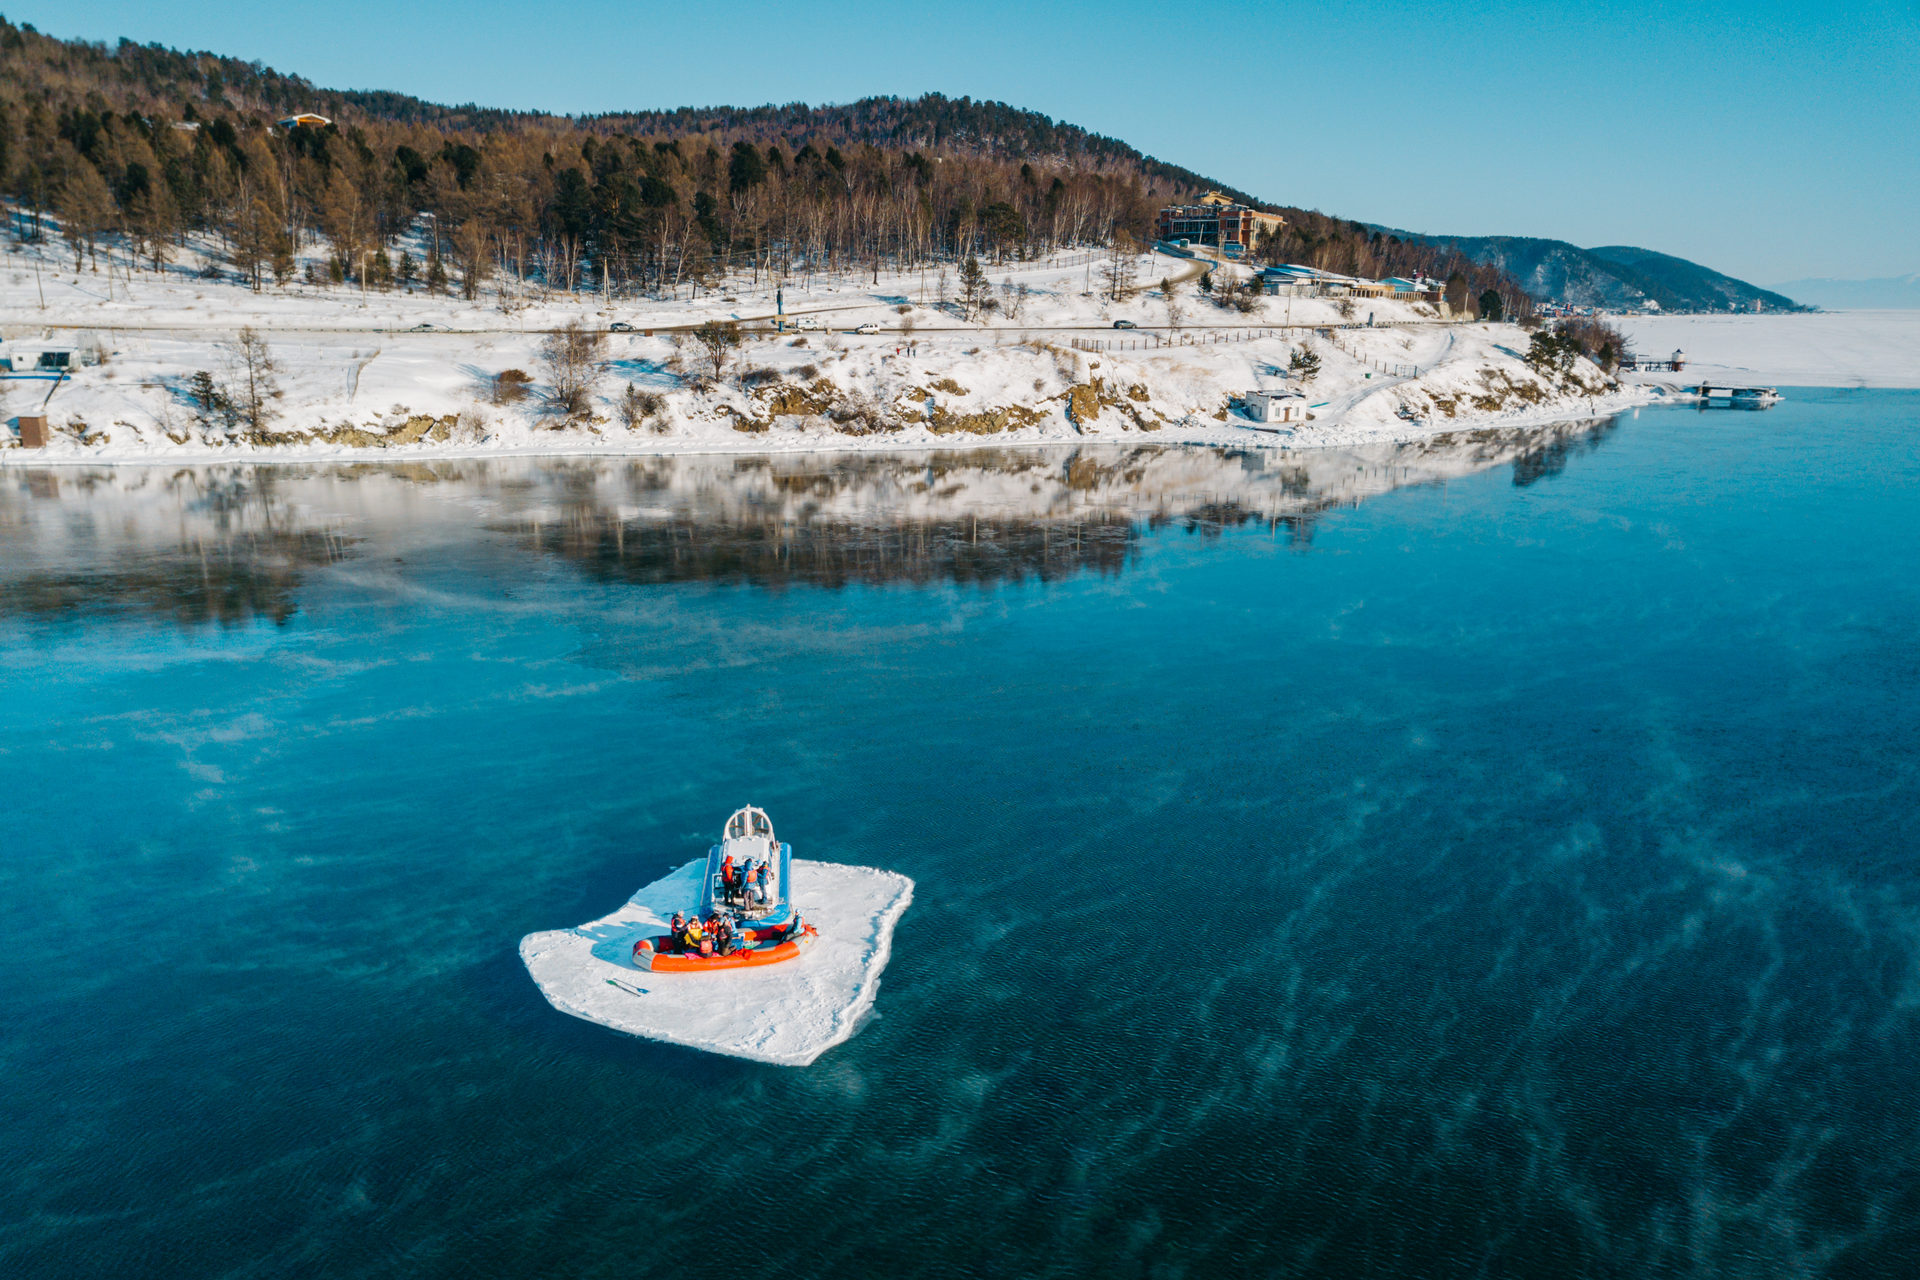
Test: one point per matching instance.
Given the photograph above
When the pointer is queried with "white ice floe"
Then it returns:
(788, 1013)
(1820, 349)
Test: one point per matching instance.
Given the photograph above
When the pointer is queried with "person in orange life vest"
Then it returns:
(726, 877)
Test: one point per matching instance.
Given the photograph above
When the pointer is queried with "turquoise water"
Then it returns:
(1491, 858)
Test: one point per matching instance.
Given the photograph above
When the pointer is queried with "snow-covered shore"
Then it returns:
(410, 376)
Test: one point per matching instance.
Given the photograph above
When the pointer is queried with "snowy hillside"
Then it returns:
(1041, 360)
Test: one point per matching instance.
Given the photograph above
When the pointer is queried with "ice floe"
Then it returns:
(787, 1013)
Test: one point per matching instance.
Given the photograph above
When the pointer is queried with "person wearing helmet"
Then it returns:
(723, 937)
(726, 877)
(677, 932)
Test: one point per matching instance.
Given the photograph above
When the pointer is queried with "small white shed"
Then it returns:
(1275, 406)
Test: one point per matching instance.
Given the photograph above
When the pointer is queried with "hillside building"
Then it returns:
(1274, 406)
(1218, 221)
(304, 120)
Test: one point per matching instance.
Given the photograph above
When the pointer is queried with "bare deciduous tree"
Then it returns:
(570, 358)
(719, 339)
(1123, 264)
(253, 380)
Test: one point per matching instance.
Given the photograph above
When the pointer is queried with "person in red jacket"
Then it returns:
(726, 877)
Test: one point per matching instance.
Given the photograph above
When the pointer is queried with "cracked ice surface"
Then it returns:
(787, 1013)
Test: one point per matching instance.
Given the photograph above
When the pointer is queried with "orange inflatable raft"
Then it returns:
(763, 946)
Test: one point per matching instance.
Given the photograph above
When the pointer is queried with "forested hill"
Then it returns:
(935, 122)
(153, 144)
(1615, 276)
(151, 78)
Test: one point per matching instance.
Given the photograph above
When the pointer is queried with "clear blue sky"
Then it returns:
(1771, 141)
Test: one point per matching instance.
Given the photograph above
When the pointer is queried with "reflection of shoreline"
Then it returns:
(234, 542)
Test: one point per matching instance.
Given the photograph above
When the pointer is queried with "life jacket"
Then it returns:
(693, 931)
(726, 869)
(706, 946)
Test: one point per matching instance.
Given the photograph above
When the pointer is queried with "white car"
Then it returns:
(806, 323)
(869, 328)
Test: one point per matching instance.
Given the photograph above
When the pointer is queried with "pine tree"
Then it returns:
(436, 271)
(973, 286)
(407, 271)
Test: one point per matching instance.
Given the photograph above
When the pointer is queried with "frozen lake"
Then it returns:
(1493, 856)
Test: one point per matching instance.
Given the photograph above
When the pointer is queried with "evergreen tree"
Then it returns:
(1490, 306)
(973, 286)
(436, 270)
(407, 271)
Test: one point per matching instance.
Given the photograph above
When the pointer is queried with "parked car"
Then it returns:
(869, 327)
(1125, 324)
(806, 323)
(620, 326)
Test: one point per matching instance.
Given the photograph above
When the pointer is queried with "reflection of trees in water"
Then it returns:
(967, 517)
(232, 543)
(238, 554)
(1558, 449)
(231, 581)
(774, 552)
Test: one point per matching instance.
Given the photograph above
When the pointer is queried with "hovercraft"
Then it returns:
(748, 883)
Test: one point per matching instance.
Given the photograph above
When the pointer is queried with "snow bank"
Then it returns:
(1821, 349)
(787, 1013)
(408, 376)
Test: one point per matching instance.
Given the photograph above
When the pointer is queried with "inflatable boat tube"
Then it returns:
(764, 946)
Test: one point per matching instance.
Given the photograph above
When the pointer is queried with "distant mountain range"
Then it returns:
(1613, 276)
(1888, 293)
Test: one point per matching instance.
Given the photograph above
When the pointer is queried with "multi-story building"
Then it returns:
(1218, 221)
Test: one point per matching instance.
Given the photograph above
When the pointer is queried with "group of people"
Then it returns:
(751, 881)
(748, 884)
(715, 936)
